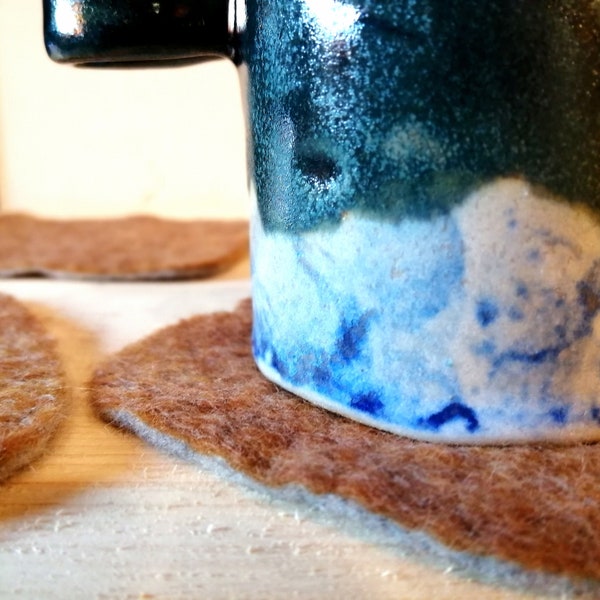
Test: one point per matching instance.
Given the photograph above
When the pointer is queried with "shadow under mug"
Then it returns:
(426, 176)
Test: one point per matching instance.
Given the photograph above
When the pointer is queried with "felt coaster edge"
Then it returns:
(48, 406)
(358, 522)
(21, 460)
(178, 264)
(182, 274)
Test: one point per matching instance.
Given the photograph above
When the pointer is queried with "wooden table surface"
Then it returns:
(103, 515)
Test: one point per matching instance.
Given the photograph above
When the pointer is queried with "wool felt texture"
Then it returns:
(136, 247)
(193, 389)
(33, 393)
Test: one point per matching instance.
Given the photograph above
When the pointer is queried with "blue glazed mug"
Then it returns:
(426, 176)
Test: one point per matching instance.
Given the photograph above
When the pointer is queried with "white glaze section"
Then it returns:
(478, 326)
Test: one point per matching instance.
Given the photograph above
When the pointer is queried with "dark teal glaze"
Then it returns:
(123, 31)
(413, 104)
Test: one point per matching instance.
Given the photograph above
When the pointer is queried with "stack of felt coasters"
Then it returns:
(32, 387)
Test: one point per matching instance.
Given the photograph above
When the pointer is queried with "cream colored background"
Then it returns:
(87, 142)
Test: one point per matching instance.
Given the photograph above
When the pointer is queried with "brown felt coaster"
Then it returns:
(194, 387)
(32, 387)
(137, 247)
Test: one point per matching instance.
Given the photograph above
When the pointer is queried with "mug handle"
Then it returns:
(121, 32)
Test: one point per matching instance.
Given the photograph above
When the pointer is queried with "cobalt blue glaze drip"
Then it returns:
(368, 402)
(487, 312)
(454, 410)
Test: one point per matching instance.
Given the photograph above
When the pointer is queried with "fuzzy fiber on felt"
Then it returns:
(32, 387)
(196, 383)
(136, 247)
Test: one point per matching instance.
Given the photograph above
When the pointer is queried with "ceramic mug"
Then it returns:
(426, 240)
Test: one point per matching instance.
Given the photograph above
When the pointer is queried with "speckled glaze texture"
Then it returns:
(426, 245)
